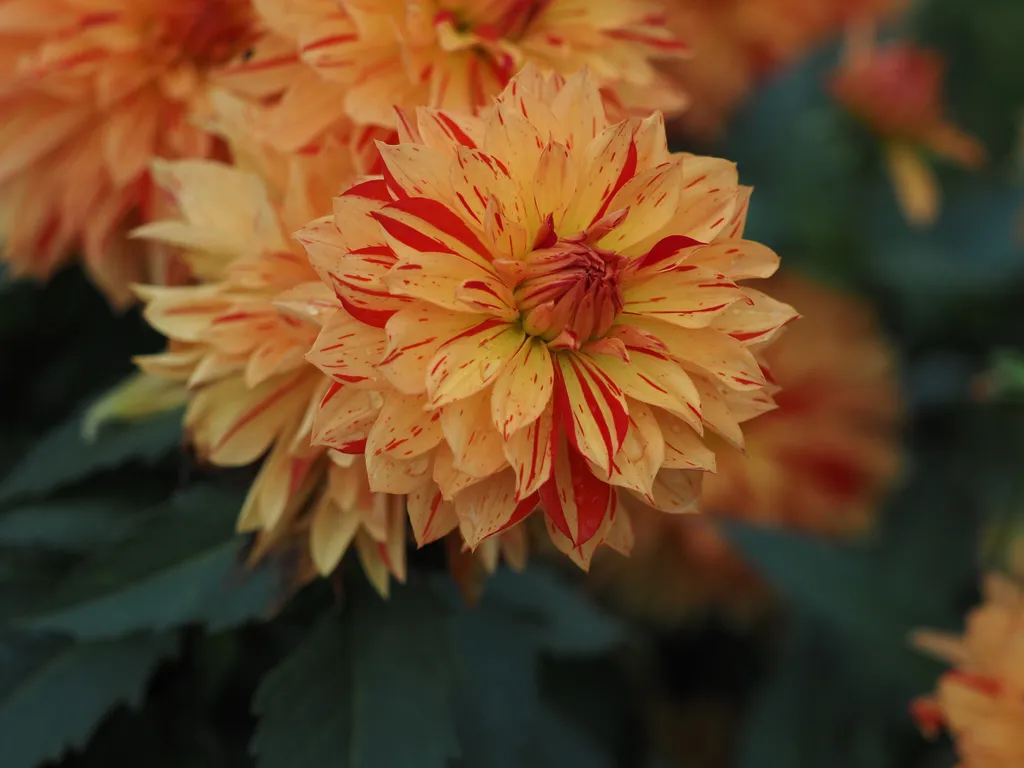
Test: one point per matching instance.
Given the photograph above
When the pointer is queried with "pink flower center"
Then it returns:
(569, 290)
(204, 33)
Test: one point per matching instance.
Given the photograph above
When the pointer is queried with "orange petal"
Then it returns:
(431, 516)
(522, 391)
(472, 360)
(530, 452)
(590, 407)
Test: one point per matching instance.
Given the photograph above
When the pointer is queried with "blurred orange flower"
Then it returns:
(738, 42)
(820, 462)
(91, 91)
(374, 55)
(981, 702)
(540, 308)
(897, 91)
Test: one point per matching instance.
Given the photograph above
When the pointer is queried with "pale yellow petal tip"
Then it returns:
(138, 396)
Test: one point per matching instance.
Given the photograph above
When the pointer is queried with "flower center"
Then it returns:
(203, 33)
(568, 290)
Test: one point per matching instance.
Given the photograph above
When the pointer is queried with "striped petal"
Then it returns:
(643, 451)
(684, 448)
(756, 321)
(421, 225)
(530, 452)
(576, 502)
(404, 429)
(709, 351)
(472, 360)
(590, 407)
(477, 176)
(651, 197)
(346, 350)
(186, 313)
(449, 480)
(522, 391)
(344, 418)
(414, 335)
(738, 259)
(444, 131)
(491, 506)
(232, 425)
(654, 378)
(444, 280)
(687, 296)
(717, 414)
(555, 182)
(413, 170)
(611, 161)
(430, 514)
(475, 444)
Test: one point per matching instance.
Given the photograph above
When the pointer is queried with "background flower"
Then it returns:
(820, 463)
(979, 702)
(91, 91)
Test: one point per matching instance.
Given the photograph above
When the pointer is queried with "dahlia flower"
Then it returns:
(374, 55)
(237, 340)
(739, 42)
(820, 463)
(540, 311)
(91, 91)
(896, 90)
(981, 702)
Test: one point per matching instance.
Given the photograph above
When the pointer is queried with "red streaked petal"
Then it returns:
(530, 452)
(470, 361)
(590, 407)
(430, 514)
(347, 350)
(523, 390)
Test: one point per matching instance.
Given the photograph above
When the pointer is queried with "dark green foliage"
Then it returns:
(370, 688)
(55, 691)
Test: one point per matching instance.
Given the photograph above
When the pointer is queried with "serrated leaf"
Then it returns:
(181, 565)
(368, 688)
(504, 719)
(62, 457)
(54, 693)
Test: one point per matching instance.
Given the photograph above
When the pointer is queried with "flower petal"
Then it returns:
(344, 418)
(688, 296)
(590, 407)
(530, 452)
(676, 491)
(643, 451)
(414, 335)
(404, 429)
(491, 506)
(346, 350)
(755, 321)
(554, 182)
(430, 514)
(684, 448)
(651, 197)
(522, 391)
(476, 445)
(472, 360)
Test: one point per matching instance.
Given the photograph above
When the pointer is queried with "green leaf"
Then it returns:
(79, 519)
(54, 693)
(504, 719)
(369, 688)
(61, 457)
(181, 565)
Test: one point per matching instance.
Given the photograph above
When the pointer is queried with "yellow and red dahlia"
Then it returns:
(981, 702)
(91, 91)
(541, 309)
(821, 463)
(739, 42)
(897, 91)
(374, 55)
(238, 340)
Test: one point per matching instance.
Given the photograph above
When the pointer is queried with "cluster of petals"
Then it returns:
(540, 309)
(367, 57)
(821, 462)
(981, 702)
(91, 92)
(237, 340)
(896, 90)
